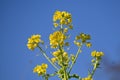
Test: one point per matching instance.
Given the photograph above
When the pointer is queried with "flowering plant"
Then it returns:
(62, 61)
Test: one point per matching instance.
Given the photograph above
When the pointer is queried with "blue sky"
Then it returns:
(19, 19)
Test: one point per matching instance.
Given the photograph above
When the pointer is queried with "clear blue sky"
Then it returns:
(19, 19)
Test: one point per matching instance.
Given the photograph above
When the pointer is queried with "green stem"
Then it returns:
(75, 59)
(45, 78)
(93, 72)
(94, 69)
(43, 52)
(61, 28)
(65, 74)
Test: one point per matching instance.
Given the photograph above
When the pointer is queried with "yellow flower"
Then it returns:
(77, 38)
(93, 53)
(101, 53)
(63, 17)
(84, 37)
(56, 53)
(57, 15)
(71, 27)
(62, 21)
(65, 54)
(88, 44)
(55, 25)
(69, 20)
(57, 39)
(65, 30)
(33, 41)
(53, 60)
(87, 78)
(97, 54)
(44, 66)
(40, 69)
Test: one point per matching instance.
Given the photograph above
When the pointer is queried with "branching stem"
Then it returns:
(75, 58)
(44, 54)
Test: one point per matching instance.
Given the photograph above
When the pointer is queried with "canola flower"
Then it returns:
(63, 17)
(87, 78)
(97, 54)
(57, 39)
(61, 57)
(62, 60)
(56, 53)
(40, 69)
(33, 41)
(96, 58)
(54, 59)
(83, 38)
(88, 44)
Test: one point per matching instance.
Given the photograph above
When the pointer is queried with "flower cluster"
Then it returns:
(97, 54)
(96, 58)
(62, 18)
(40, 69)
(57, 39)
(82, 38)
(61, 57)
(33, 41)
